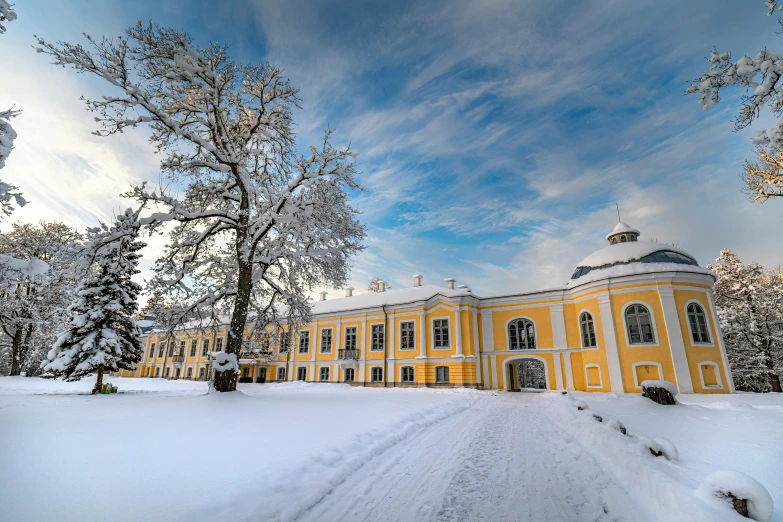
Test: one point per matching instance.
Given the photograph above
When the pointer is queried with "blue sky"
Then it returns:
(494, 137)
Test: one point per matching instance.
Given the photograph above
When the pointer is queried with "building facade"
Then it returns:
(633, 311)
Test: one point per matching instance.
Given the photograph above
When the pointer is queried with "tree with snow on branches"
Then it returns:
(256, 226)
(103, 334)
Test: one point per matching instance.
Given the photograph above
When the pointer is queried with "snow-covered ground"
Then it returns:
(165, 450)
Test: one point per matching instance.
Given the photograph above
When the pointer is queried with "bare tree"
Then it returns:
(375, 285)
(764, 178)
(256, 225)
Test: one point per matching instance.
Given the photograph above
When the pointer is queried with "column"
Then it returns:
(422, 335)
(314, 342)
(676, 344)
(336, 341)
(558, 371)
(569, 370)
(476, 351)
(558, 325)
(458, 333)
(392, 330)
(610, 342)
(360, 346)
(721, 344)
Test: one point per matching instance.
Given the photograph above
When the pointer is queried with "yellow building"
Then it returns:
(633, 311)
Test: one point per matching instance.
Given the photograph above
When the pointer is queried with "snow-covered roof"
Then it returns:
(389, 297)
(624, 252)
(621, 227)
(634, 269)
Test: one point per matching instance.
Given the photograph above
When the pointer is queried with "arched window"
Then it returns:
(698, 322)
(639, 324)
(588, 330)
(623, 239)
(522, 334)
(407, 373)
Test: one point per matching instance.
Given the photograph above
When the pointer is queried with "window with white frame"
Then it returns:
(350, 374)
(190, 373)
(168, 371)
(201, 373)
(326, 340)
(193, 346)
(205, 348)
(697, 320)
(245, 372)
(639, 324)
(350, 338)
(304, 341)
(376, 374)
(285, 342)
(441, 374)
(219, 344)
(440, 332)
(171, 348)
(587, 326)
(157, 371)
(182, 348)
(522, 334)
(377, 339)
(407, 374)
(281, 374)
(323, 373)
(152, 351)
(407, 335)
(161, 348)
(301, 373)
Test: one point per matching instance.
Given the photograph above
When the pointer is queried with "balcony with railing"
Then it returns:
(178, 358)
(349, 354)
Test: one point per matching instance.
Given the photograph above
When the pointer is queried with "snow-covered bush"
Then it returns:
(659, 447)
(721, 486)
(666, 385)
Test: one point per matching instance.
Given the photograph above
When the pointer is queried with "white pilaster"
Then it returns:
(494, 372)
(476, 353)
(336, 341)
(485, 361)
(610, 343)
(422, 335)
(721, 344)
(487, 333)
(315, 341)
(360, 346)
(392, 330)
(569, 371)
(458, 332)
(676, 344)
(558, 371)
(558, 325)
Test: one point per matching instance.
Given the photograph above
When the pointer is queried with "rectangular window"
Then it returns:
(285, 342)
(376, 374)
(440, 328)
(157, 371)
(350, 374)
(182, 347)
(323, 374)
(171, 348)
(407, 374)
(219, 344)
(193, 346)
(301, 374)
(201, 373)
(350, 338)
(160, 349)
(281, 374)
(205, 348)
(407, 335)
(304, 342)
(168, 371)
(326, 340)
(377, 338)
(190, 373)
(441, 374)
(244, 372)
(152, 351)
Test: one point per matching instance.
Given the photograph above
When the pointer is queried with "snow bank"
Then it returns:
(660, 485)
(718, 485)
(666, 385)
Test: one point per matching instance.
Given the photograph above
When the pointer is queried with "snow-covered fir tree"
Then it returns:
(37, 280)
(749, 299)
(257, 226)
(103, 334)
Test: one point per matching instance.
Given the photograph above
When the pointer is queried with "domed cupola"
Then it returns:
(622, 233)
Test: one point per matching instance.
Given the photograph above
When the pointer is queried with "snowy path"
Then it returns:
(503, 459)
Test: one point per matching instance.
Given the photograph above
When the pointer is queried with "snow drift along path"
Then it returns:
(499, 460)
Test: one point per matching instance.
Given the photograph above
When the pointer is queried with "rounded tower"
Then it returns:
(622, 233)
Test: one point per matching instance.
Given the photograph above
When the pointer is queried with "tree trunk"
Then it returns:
(98, 382)
(16, 352)
(227, 381)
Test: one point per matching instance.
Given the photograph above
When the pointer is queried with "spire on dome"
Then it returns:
(622, 233)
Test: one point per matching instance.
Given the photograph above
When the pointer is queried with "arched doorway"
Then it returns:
(527, 374)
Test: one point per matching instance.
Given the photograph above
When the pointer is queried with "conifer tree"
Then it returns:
(103, 334)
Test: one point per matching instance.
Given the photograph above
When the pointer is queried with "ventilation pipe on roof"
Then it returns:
(381, 285)
(465, 288)
(349, 292)
(417, 280)
(450, 282)
(323, 296)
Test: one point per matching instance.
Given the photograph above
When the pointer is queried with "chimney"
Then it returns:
(450, 282)
(349, 292)
(323, 296)
(381, 285)
(417, 280)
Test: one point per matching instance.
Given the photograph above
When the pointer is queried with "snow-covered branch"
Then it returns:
(7, 14)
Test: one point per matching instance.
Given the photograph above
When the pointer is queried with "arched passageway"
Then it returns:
(527, 374)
